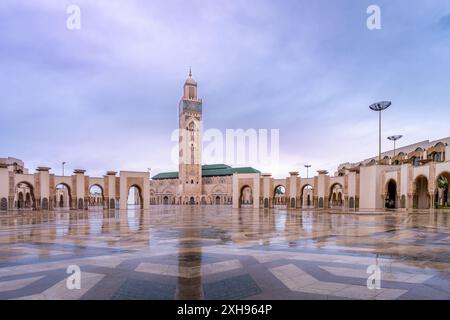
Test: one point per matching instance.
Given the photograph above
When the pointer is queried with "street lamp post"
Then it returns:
(395, 138)
(380, 106)
(63, 168)
(307, 166)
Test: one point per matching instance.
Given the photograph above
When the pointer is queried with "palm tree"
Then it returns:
(443, 184)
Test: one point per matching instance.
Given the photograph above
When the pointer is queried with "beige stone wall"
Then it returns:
(365, 185)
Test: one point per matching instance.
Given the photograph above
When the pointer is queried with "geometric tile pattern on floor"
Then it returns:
(221, 253)
(60, 292)
(189, 272)
(297, 280)
(385, 275)
(133, 289)
(234, 288)
(17, 284)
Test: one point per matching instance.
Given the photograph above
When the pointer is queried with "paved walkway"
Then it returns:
(215, 252)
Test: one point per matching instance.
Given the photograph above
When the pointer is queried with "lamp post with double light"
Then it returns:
(307, 166)
(63, 164)
(394, 139)
(379, 107)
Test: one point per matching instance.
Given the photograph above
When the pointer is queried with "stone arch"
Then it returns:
(246, 196)
(112, 203)
(45, 204)
(96, 198)
(351, 203)
(421, 196)
(167, 196)
(442, 192)
(152, 196)
(80, 204)
(279, 195)
(64, 190)
(307, 195)
(140, 199)
(4, 204)
(391, 194)
(335, 198)
(23, 189)
(321, 203)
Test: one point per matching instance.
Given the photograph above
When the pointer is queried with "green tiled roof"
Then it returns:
(214, 166)
(227, 171)
(210, 170)
(166, 175)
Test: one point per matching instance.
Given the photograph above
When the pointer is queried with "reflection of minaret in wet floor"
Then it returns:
(189, 288)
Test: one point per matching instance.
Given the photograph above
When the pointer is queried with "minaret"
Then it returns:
(190, 146)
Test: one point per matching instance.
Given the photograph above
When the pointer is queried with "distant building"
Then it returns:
(14, 165)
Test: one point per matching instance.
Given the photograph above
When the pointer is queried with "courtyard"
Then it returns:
(216, 252)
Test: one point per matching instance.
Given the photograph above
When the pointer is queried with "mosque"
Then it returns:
(412, 177)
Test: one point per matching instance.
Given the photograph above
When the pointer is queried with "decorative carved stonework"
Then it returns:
(37, 185)
(74, 185)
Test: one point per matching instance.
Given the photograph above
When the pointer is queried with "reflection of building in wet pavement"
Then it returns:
(190, 287)
(191, 253)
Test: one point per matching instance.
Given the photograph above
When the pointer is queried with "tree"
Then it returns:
(443, 184)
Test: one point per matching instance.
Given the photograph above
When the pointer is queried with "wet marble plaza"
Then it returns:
(215, 252)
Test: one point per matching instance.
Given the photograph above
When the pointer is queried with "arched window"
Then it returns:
(351, 203)
(321, 202)
(4, 204)
(191, 93)
(192, 154)
(437, 156)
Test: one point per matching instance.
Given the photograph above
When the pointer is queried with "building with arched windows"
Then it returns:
(412, 177)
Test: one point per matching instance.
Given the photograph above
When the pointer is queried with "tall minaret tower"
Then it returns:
(190, 144)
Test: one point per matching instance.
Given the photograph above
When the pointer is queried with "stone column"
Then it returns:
(146, 192)
(44, 187)
(80, 184)
(266, 189)
(110, 188)
(4, 188)
(292, 189)
(322, 185)
(235, 191)
(256, 190)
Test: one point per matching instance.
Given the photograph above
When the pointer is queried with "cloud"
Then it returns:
(105, 97)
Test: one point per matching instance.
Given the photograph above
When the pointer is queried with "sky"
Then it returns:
(105, 96)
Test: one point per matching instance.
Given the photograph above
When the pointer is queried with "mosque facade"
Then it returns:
(412, 177)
